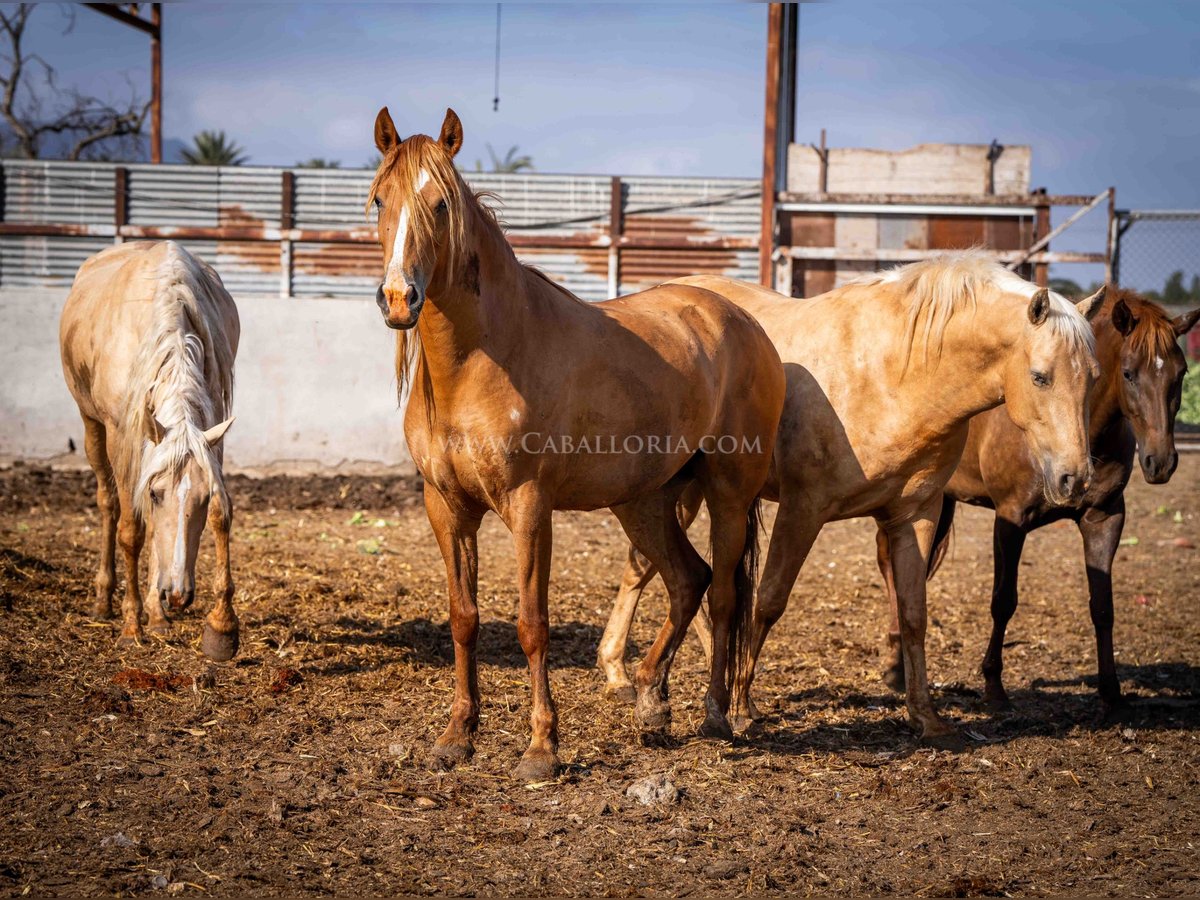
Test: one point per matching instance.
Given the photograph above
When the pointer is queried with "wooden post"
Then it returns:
(616, 227)
(1111, 238)
(766, 234)
(156, 83)
(1041, 271)
(287, 221)
(120, 201)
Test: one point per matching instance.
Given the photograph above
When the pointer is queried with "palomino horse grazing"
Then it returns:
(526, 400)
(148, 338)
(1133, 407)
(883, 376)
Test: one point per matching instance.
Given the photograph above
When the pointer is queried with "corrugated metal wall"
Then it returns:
(571, 209)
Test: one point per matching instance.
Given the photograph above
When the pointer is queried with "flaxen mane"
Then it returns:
(946, 284)
(181, 383)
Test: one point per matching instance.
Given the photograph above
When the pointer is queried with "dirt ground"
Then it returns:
(300, 766)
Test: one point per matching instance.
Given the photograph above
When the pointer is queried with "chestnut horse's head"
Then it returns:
(419, 196)
(1150, 384)
(1046, 387)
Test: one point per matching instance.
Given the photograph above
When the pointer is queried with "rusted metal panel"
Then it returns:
(856, 231)
(44, 261)
(955, 232)
(204, 196)
(817, 277)
(811, 229)
(584, 272)
(51, 191)
(1007, 234)
(336, 270)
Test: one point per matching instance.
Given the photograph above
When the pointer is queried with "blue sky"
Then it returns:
(1106, 93)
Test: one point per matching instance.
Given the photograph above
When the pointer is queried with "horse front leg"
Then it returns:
(456, 526)
(911, 543)
(95, 443)
(531, 525)
(893, 665)
(220, 637)
(1008, 540)
(131, 535)
(1101, 530)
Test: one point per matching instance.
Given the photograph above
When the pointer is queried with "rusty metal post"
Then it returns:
(1110, 242)
(616, 227)
(1041, 271)
(287, 221)
(766, 235)
(156, 83)
(120, 201)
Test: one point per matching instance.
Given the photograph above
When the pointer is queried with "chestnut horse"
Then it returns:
(148, 338)
(525, 399)
(1133, 408)
(883, 376)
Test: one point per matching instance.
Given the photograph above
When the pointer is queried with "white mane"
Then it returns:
(182, 381)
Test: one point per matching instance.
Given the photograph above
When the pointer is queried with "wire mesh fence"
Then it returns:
(1158, 254)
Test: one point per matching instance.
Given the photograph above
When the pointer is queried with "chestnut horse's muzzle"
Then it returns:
(413, 300)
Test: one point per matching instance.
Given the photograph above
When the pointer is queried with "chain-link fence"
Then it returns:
(1158, 254)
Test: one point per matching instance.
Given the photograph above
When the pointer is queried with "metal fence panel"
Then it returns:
(37, 191)
(35, 261)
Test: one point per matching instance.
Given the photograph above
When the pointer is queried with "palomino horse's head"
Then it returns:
(1046, 385)
(180, 476)
(1151, 382)
(419, 196)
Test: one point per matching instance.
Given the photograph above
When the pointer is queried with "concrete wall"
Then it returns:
(314, 386)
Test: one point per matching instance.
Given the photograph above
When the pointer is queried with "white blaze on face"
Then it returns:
(396, 270)
(1159, 362)
(185, 485)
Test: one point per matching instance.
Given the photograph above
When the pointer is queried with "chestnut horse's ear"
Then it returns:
(1184, 323)
(1039, 307)
(386, 136)
(451, 137)
(1122, 318)
(1089, 306)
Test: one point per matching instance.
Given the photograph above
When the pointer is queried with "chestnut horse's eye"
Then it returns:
(1040, 379)
(441, 207)
(1128, 376)
(378, 203)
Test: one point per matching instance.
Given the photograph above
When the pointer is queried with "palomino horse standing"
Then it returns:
(1133, 407)
(526, 400)
(883, 376)
(148, 338)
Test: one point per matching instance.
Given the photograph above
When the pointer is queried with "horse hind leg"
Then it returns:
(639, 572)
(652, 525)
(220, 638)
(95, 443)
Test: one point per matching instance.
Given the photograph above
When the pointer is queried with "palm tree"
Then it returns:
(213, 148)
(319, 162)
(510, 164)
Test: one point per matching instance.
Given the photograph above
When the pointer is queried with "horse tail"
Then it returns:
(942, 537)
(744, 581)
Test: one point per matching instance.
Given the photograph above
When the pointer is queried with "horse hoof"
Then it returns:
(950, 739)
(129, 641)
(159, 629)
(740, 723)
(997, 700)
(446, 754)
(102, 611)
(893, 677)
(716, 727)
(653, 717)
(534, 767)
(219, 646)
(622, 694)
(1115, 711)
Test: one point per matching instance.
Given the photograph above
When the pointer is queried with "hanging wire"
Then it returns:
(496, 83)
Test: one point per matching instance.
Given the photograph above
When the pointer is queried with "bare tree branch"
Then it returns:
(96, 126)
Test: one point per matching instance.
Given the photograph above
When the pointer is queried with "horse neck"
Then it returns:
(1104, 402)
(967, 377)
(483, 307)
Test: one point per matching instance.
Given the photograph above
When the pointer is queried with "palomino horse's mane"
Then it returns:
(939, 287)
(421, 154)
(181, 383)
(1154, 334)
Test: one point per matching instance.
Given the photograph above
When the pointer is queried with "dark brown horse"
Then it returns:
(526, 400)
(1132, 409)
